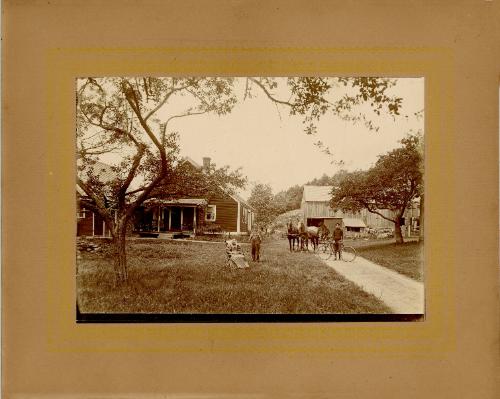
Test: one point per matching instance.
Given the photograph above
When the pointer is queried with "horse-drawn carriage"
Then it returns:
(302, 234)
(320, 239)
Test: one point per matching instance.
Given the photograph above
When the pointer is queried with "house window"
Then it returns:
(210, 214)
(244, 216)
(81, 214)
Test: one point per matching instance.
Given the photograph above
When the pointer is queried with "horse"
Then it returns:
(307, 233)
(293, 236)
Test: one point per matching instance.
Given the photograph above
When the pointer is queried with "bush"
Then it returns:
(210, 228)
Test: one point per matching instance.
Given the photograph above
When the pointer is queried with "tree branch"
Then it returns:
(100, 206)
(268, 94)
(165, 99)
(367, 206)
(130, 177)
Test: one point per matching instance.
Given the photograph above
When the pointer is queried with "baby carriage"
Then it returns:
(235, 256)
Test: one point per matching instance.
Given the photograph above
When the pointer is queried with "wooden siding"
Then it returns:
(84, 225)
(226, 213)
(244, 219)
(323, 210)
(318, 209)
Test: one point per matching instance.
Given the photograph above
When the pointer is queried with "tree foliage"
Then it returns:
(188, 181)
(313, 97)
(262, 200)
(392, 183)
(288, 200)
(327, 180)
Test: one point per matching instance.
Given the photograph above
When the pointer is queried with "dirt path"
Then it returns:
(402, 294)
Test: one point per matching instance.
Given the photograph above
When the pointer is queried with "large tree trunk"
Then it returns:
(398, 234)
(120, 261)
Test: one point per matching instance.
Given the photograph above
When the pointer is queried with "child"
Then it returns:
(255, 239)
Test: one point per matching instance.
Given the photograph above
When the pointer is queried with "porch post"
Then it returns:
(159, 217)
(93, 224)
(238, 227)
(169, 219)
(195, 209)
(182, 216)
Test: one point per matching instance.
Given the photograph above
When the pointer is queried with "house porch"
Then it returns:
(181, 216)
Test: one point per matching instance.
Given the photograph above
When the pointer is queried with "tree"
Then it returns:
(288, 200)
(261, 199)
(118, 116)
(129, 119)
(392, 183)
(208, 182)
(326, 180)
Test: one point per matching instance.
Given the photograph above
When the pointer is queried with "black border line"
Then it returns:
(240, 318)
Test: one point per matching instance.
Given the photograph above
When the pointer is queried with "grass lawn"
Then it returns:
(407, 258)
(184, 277)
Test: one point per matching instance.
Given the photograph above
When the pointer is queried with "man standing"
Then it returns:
(338, 236)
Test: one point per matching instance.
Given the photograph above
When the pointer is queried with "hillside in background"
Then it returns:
(281, 221)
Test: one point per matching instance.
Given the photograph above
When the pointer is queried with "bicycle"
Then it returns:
(347, 253)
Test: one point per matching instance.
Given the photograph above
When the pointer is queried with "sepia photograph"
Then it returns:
(249, 199)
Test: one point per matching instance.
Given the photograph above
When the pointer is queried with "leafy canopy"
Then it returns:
(262, 200)
(394, 180)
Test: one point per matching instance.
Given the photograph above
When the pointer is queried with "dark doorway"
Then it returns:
(175, 218)
(187, 219)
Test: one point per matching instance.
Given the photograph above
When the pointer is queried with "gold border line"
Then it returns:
(429, 338)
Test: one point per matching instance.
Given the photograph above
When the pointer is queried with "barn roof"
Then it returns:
(317, 193)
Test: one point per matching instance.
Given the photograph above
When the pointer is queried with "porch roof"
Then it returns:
(352, 222)
(180, 201)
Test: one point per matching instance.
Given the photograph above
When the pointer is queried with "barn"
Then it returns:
(316, 210)
(227, 213)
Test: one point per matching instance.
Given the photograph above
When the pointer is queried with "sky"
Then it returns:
(271, 147)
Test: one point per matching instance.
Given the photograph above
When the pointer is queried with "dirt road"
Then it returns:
(402, 294)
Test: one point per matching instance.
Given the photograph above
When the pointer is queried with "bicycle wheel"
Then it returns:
(325, 247)
(348, 254)
(330, 251)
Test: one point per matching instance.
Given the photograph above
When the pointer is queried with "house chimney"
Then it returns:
(206, 162)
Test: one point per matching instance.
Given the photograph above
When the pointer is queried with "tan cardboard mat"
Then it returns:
(182, 321)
